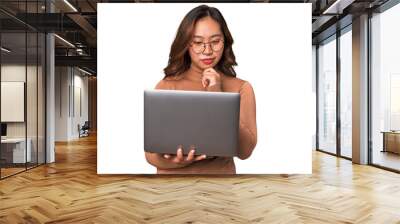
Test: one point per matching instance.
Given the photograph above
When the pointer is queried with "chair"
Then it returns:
(84, 130)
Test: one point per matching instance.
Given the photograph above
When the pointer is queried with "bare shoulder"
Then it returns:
(234, 83)
(173, 78)
(168, 82)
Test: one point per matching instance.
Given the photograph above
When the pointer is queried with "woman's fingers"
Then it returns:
(210, 77)
(208, 73)
(200, 157)
(179, 158)
(209, 70)
(206, 80)
(191, 154)
(203, 82)
(179, 154)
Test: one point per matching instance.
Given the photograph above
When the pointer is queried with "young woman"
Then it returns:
(202, 59)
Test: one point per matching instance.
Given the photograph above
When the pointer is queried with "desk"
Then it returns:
(13, 150)
(391, 141)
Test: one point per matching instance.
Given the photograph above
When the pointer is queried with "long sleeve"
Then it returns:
(247, 124)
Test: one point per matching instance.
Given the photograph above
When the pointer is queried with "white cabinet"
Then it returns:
(18, 149)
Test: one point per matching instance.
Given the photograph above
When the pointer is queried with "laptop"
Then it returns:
(207, 120)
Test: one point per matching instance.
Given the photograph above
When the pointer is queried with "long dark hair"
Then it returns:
(179, 58)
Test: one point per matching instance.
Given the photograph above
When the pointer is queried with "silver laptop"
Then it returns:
(207, 120)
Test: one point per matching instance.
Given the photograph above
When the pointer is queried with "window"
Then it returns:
(346, 92)
(22, 66)
(327, 96)
(385, 88)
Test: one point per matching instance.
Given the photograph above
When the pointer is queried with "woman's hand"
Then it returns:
(210, 78)
(180, 160)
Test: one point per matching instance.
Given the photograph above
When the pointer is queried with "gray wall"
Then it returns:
(71, 102)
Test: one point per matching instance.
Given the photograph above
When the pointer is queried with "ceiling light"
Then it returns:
(65, 41)
(70, 5)
(84, 71)
(5, 50)
(338, 6)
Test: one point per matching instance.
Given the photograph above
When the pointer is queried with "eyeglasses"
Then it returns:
(199, 47)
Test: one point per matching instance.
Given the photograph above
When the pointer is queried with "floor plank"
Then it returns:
(70, 191)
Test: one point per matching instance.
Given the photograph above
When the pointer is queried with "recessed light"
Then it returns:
(338, 6)
(70, 5)
(84, 71)
(64, 40)
(5, 50)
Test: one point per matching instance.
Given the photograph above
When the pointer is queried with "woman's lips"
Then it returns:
(207, 61)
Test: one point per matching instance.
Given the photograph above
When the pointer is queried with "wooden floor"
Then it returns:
(70, 191)
(8, 171)
(387, 159)
(5, 172)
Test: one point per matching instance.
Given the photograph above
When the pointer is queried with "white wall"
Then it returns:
(61, 103)
(16, 72)
(69, 82)
(277, 65)
(80, 83)
(314, 100)
(34, 125)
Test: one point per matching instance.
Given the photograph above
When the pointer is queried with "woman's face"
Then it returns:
(207, 46)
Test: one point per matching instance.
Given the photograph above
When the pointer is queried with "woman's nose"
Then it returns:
(207, 50)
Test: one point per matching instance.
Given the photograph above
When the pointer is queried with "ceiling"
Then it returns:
(76, 22)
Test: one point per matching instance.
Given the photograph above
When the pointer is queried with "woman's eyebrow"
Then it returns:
(215, 35)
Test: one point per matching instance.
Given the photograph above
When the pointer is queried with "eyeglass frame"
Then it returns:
(204, 46)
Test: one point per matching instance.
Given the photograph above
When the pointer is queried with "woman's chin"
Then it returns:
(207, 66)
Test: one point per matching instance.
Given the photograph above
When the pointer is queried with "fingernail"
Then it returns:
(192, 151)
(204, 156)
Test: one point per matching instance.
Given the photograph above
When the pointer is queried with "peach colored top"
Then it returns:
(191, 80)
